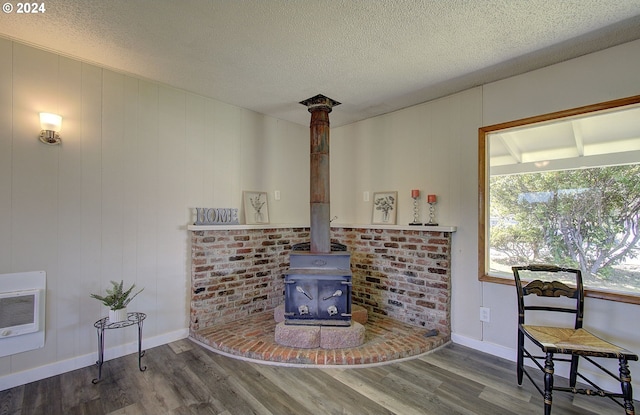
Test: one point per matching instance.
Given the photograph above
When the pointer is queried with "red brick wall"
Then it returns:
(402, 274)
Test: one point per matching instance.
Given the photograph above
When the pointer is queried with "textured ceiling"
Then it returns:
(374, 56)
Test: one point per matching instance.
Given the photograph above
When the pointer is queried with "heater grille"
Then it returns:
(22, 311)
(18, 312)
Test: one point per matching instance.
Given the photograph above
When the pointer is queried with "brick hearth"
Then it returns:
(252, 338)
(397, 273)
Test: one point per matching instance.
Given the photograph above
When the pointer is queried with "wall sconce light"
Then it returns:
(51, 125)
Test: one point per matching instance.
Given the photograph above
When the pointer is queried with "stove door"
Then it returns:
(318, 300)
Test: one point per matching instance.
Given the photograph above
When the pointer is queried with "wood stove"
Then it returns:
(318, 282)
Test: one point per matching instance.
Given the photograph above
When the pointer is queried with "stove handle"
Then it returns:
(337, 293)
(302, 291)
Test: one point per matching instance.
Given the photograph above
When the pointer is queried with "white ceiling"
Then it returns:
(374, 56)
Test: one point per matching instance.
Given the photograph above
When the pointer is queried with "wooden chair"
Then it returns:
(571, 343)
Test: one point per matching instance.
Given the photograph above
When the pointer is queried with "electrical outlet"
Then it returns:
(485, 314)
(276, 195)
(365, 196)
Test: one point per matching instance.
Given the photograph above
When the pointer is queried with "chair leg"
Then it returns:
(520, 362)
(573, 374)
(625, 383)
(548, 383)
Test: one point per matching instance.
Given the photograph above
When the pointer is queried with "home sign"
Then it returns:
(216, 216)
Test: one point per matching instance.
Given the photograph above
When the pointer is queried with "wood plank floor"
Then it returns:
(184, 378)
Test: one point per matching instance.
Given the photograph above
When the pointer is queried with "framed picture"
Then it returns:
(256, 208)
(384, 208)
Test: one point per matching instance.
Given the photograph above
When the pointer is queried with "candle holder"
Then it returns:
(415, 195)
(431, 199)
(416, 212)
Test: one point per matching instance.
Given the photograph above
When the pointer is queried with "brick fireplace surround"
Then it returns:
(402, 277)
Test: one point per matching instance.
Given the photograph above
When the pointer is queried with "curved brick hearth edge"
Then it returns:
(253, 338)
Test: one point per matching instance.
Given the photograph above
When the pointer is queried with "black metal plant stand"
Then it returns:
(104, 324)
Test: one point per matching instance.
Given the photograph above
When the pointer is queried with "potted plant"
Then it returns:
(117, 299)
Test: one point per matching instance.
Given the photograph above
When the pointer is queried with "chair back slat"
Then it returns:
(549, 289)
(547, 308)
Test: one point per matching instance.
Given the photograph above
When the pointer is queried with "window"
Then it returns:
(564, 188)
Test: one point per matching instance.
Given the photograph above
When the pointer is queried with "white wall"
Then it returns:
(431, 147)
(434, 147)
(598, 77)
(113, 201)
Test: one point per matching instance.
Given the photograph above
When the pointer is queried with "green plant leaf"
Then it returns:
(117, 298)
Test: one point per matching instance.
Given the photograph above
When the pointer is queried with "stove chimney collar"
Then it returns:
(319, 101)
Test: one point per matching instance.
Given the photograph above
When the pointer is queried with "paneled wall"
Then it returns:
(434, 147)
(113, 200)
(590, 79)
(431, 147)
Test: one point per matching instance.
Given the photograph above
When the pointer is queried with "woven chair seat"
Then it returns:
(570, 341)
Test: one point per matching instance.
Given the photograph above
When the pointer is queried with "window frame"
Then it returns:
(483, 188)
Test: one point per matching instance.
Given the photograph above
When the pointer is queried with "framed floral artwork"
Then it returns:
(384, 208)
(256, 208)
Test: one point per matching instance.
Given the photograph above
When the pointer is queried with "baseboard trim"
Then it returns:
(57, 368)
(490, 348)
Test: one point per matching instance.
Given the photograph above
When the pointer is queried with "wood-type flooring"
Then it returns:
(184, 378)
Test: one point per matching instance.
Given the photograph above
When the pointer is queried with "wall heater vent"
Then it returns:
(19, 312)
(22, 311)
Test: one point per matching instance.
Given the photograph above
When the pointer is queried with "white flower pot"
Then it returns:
(117, 315)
